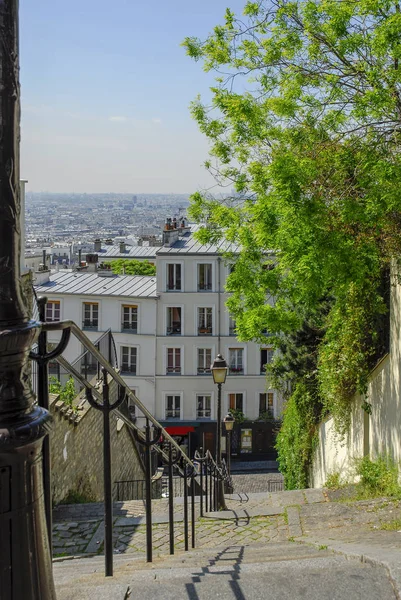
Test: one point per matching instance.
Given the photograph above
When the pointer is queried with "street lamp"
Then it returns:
(229, 424)
(219, 370)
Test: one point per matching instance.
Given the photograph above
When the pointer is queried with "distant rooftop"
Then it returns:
(131, 252)
(73, 282)
(187, 244)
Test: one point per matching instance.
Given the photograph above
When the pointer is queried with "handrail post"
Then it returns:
(193, 508)
(201, 483)
(185, 508)
(108, 499)
(171, 497)
(148, 501)
(43, 401)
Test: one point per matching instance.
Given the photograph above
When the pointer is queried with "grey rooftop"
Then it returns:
(138, 286)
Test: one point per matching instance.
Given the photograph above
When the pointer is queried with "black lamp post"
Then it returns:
(219, 370)
(25, 561)
(229, 424)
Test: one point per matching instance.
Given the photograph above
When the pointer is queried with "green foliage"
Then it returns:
(133, 267)
(297, 438)
(67, 392)
(305, 125)
(378, 477)
(333, 481)
(238, 415)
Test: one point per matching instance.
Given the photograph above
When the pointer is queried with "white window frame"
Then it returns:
(269, 349)
(173, 289)
(274, 392)
(244, 358)
(196, 272)
(129, 373)
(54, 302)
(172, 393)
(165, 358)
(129, 305)
(203, 394)
(210, 283)
(227, 400)
(91, 302)
(198, 309)
(167, 307)
(212, 355)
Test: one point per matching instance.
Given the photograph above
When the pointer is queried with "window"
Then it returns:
(203, 406)
(205, 321)
(129, 318)
(173, 406)
(91, 316)
(236, 402)
(235, 361)
(53, 310)
(204, 277)
(204, 360)
(128, 360)
(266, 356)
(174, 277)
(174, 320)
(174, 361)
(231, 326)
(266, 403)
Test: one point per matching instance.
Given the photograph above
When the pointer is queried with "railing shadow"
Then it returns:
(234, 572)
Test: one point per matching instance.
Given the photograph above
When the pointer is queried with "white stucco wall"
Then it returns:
(375, 434)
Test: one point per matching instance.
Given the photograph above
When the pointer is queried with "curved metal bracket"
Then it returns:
(98, 406)
(59, 349)
(151, 442)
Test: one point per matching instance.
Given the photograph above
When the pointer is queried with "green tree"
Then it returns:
(133, 267)
(304, 124)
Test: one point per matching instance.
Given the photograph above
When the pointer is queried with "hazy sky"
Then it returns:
(105, 93)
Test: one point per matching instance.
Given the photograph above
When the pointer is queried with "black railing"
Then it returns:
(204, 371)
(173, 370)
(90, 325)
(107, 391)
(204, 286)
(129, 327)
(202, 330)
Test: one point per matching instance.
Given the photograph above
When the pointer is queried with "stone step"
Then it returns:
(287, 571)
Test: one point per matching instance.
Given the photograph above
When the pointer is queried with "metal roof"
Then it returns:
(138, 286)
(187, 244)
(131, 252)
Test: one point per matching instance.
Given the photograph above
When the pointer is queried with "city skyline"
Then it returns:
(105, 96)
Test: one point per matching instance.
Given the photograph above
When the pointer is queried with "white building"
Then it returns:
(178, 323)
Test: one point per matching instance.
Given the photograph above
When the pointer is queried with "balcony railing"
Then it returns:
(129, 327)
(174, 329)
(205, 330)
(232, 330)
(204, 371)
(90, 325)
(202, 287)
(236, 371)
(173, 370)
(127, 369)
(174, 287)
(173, 413)
(203, 413)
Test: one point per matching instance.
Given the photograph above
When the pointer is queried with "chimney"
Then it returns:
(44, 259)
(79, 257)
(98, 245)
(170, 233)
(140, 241)
(122, 248)
(91, 262)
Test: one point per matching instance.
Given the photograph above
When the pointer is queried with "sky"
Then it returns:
(105, 94)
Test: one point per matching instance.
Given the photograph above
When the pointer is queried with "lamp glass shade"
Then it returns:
(229, 422)
(219, 369)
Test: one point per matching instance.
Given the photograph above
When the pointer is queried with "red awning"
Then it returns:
(179, 430)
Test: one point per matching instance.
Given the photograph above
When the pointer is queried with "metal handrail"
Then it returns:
(62, 325)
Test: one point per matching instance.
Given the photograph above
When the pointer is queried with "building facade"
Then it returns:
(168, 330)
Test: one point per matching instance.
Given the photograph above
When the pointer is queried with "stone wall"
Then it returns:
(77, 452)
(375, 434)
